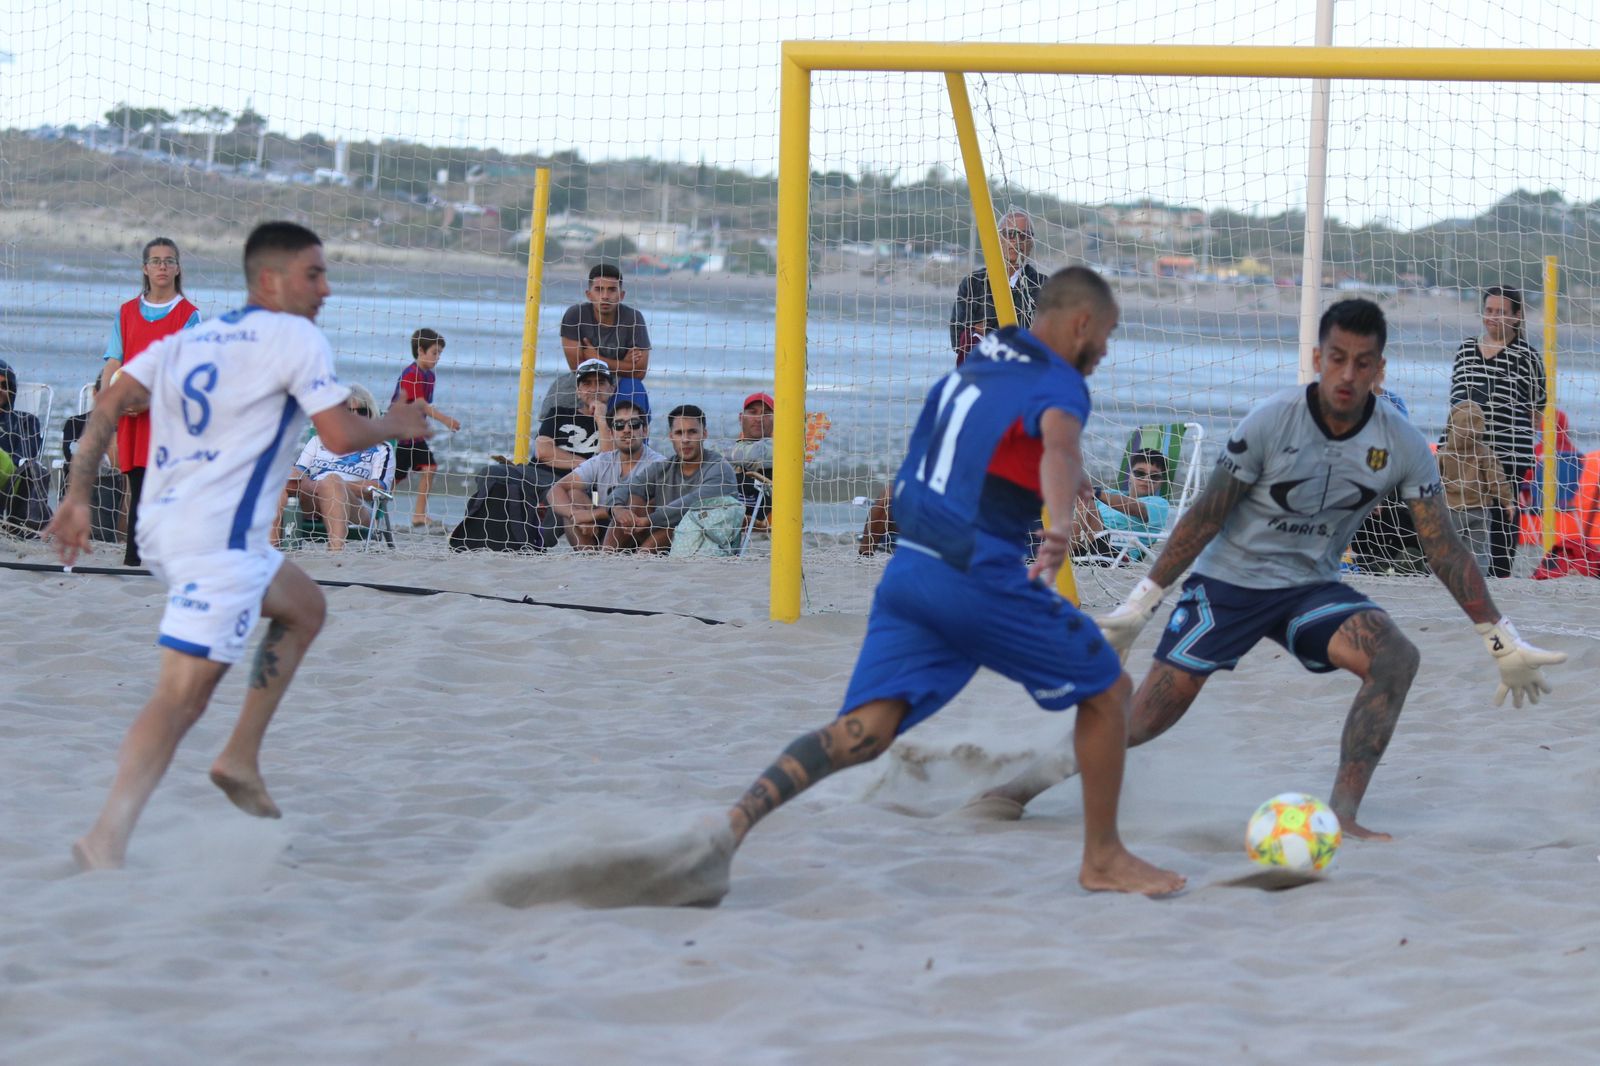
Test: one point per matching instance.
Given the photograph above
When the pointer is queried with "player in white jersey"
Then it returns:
(1296, 479)
(228, 400)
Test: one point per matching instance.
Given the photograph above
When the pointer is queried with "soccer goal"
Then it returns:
(1182, 174)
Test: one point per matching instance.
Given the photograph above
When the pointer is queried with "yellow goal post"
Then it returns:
(801, 59)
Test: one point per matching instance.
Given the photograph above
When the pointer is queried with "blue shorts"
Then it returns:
(932, 626)
(1214, 623)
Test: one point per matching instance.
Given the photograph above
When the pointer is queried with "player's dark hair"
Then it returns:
(424, 338)
(274, 238)
(1146, 455)
(1361, 317)
(1512, 296)
(163, 242)
(1073, 287)
(686, 410)
(606, 270)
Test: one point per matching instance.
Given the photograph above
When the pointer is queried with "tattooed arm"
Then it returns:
(1199, 524)
(1450, 560)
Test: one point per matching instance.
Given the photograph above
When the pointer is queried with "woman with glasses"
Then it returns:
(341, 490)
(160, 310)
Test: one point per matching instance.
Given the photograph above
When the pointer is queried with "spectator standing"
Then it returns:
(604, 328)
(416, 384)
(1475, 485)
(648, 508)
(160, 310)
(1500, 372)
(974, 312)
(582, 499)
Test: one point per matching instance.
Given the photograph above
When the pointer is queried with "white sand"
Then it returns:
(434, 747)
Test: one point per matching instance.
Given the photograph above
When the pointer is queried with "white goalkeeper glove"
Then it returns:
(1518, 661)
(1121, 627)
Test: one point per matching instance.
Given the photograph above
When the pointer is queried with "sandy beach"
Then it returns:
(433, 744)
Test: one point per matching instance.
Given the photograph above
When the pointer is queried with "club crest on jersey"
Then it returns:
(1377, 458)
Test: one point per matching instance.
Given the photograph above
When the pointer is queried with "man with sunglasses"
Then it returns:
(974, 312)
(1144, 508)
(581, 499)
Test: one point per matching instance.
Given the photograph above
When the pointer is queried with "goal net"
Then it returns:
(411, 144)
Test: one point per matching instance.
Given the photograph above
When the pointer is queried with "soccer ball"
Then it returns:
(1295, 831)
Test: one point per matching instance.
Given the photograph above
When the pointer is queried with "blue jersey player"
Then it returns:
(996, 438)
(1295, 481)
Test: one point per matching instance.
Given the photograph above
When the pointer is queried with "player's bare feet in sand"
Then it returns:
(1357, 831)
(246, 789)
(92, 854)
(1122, 871)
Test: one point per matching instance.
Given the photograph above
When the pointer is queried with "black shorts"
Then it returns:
(412, 455)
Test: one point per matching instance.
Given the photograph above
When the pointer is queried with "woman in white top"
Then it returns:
(338, 489)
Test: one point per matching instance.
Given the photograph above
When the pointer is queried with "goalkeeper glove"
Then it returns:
(1518, 661)
(1121, 627)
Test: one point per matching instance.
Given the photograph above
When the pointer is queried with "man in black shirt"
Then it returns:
(974, 312)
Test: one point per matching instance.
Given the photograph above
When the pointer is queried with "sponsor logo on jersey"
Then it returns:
(184, 598)
(1377, 458)
(992, 347)
(1238, 445)
(165, 459)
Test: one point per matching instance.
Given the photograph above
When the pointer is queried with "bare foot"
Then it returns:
(1122, 871)
(92, 855)
(1361, 832)
(247, 791)
(990, 807)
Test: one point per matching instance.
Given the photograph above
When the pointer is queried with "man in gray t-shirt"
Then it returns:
(1294, 482)
(646, 509)
(582, 498)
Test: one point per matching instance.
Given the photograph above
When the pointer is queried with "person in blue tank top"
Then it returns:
(1296, 479)
(997, 438)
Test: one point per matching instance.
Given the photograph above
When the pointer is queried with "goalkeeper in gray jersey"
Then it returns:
(1294, 482)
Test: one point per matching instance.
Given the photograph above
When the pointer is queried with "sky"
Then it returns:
(697, 80)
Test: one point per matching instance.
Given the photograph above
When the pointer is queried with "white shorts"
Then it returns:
(214, 600)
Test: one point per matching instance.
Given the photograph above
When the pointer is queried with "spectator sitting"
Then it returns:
(1475, 484)
(693, 492)
(751, 454)
(606, 329)
(21, 436)
(1143, 509)
(25, 494)
(339, 489)
(582, 499)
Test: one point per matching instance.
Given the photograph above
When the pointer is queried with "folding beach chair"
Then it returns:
(1183, 444)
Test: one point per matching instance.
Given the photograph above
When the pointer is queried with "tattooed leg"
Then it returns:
(1163, 697)
(296, 609)
(858, 737)
(1370, 646)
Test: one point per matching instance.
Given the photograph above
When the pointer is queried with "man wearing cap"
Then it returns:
(974, 312)
(751, 454)
(582, 499)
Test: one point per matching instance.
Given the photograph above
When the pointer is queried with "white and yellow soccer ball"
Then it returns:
(1294, 831)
